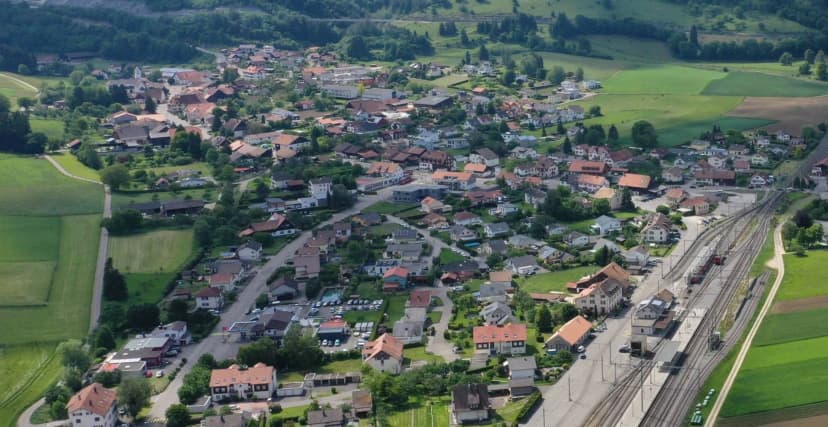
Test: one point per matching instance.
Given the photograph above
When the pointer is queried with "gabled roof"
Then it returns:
(386, 343)
(493, 333)
(572, 331)
(420, 298)
(633, 180)
(396, 272)
(208, 292)
(94, 398)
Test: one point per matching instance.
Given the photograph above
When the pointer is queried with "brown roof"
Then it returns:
(675, 194)
(94, 398)
(361, 399)
(475, 167)
(573, 330)
(208, 292)
(386, 343)
(634, 180)
(420, 298)
(495, 333)
(257, 374)
(500, 276)
(583, 166)
(592, 180)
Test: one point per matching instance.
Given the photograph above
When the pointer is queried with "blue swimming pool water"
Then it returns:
(331, 295)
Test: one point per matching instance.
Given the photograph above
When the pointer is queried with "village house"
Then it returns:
(209, 298)
(523, 265)
(497, 313)
(326, 417)
(496, 229)
(93, 406)
(395, 279)
(675, 196)
(470, 403)
(257, 382)
(611, 195)
(591, 183)
(635, 182)
(467, 219)
(606, 225)
(610, 271)
(672, 175)
(600, 298)
(500, 339)
(657, 230)
(486, 157)
(571, 335)
(453, 180)
(385, 354)
(696, 205)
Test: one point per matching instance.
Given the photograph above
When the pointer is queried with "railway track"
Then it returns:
(675, 397)
(618, 399)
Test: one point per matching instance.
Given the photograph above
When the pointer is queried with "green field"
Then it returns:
(13, 89)
(554, 281)
(51, 193)
(151, 252)
(448, 256)
(786, 327)
(75, 167)
(53, 129)
(799, 276)
(661, 79)
(389, 208)
(147, 287)
(631, 49)
(396, 308)
(47, 259)
(425, 415)
(686, 132)
(760, 84)
(780, 376)
(123, 199)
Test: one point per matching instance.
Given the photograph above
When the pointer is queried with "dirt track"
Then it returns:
(791, 114)
(803, 304)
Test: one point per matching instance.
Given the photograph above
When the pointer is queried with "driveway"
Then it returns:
(437, 344)
(217, 343)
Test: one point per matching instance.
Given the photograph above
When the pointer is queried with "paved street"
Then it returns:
(216, 343)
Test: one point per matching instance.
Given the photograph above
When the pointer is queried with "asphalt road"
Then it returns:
(216, 344)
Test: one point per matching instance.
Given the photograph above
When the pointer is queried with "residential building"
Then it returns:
(500, 339)
(362, 403)
(485, 156)
(657, 229)
(453, 180)
(395, 279)
(610, 271)
(606, 225)
(523, 265)
(470, 403)
(229, 420)
(326, 417)
(522, 367)
(591, 183)
(697, 205)
(466, 219)
(256, 382)
(249, 251)
(572, 334)
(672, 175)
(175, 331)
(600, 298)
(576, 239)
(637, 257)
(416, 193)
(496, 229)
(384, 354)
(497, 313)
(93, 406)
(587, 167)
(611, 195)
(635, 182)
(209, 298)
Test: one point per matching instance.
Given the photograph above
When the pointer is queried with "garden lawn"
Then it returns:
(419, 353)
(33, 187)
(801, 276)
(147, 287)
(75, 167)
(151, 252)
(423, 415)
(760, 84)
(661, 79)
(447, 256)
(388, 208)
(122, 199)
(396, 308)
(554, 281)
(53, 129)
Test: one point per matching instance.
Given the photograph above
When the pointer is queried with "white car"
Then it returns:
(581, 349)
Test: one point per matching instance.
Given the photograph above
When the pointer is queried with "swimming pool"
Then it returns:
(331, 294)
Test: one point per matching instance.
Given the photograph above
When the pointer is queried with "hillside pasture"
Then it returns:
(740, 83)
(790, 114)
(661, 79)
(13, 89)
(151, 252)
(28, 238)
(34, 187)
(25, 372)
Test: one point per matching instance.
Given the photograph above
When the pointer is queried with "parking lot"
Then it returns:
(359, 332)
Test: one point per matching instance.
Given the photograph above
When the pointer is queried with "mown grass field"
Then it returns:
(554, 281)
(429, 414)
(156, 251)
(53, 129)
(50, 226)
(124, 199)
(13, 89)
(661, 79)
(75, 167)
(800, 274)
(36, 188)
(763, 85)
(780, 328)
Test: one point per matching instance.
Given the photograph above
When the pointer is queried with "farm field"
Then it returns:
(554, 281)
(739, 83)
(14, 89)
(151, 252)
(53, 129)
(53, 194)
(147, 287)
(630, 49)
(50, 225)
(682, 113)
(790, 114)
(780, 328)
(75, 167)
(799, 275)
(661, 79)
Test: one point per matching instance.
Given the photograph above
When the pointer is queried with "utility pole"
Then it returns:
(602, 367)
(569, 386)
(544, 416)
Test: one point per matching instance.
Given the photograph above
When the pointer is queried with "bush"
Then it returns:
(529, 405)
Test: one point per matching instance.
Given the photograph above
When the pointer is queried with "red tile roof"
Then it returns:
(495, 333)
(258, 374)
(94, 398)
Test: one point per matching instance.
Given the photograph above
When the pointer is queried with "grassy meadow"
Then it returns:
(122, 199)
(554, 281)
(53, 129)
(799, 276)
(13, 89)
(739, 83)
(151, 252)
(75, 167)
(50, 226)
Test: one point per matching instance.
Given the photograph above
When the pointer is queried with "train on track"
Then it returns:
(703, 264)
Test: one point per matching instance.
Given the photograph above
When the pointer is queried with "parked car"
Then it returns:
(583, 355)
(159, 374)
(625, 348)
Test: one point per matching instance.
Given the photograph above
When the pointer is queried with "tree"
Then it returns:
(644, 134)
(5, 104)
(115, 176)
(612, 134)
(805, 69)
(809, 56)
(149, 105)
(663, 209)
(786, 59)
(24, 69)
(603, 256)
(25, 102)
(821, 71)
(142, 317)
(74, 356)
(595, 111)
(556, 75)
(178, 416)
(543, 318)
(627, 204)
(694, 35)
(89, 156)
(464, 38)
(483, 53)
(104, 338)
(264, 351)
(262, 300)
(601, 207)
(508, 77)
(579, 74)
(820, 57)
(115, 286)
(133, 395)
